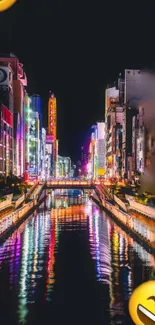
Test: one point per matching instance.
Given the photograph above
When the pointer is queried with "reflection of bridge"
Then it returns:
(74, 213)
(53, 184)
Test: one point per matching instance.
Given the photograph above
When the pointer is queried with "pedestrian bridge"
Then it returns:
(54, 184)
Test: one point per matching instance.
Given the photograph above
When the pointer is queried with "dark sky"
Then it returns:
(75, 48)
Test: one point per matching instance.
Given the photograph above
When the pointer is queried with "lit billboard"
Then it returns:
(101, 157)
(52, 117)
(101, 130)
(49, 138)
(7, 116)
(111, 94)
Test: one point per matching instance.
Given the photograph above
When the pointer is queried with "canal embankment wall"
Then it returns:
(134, 227)
(141, 208)
(7, 202)
(11, 221)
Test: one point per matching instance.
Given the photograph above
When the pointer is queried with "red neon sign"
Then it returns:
(7, 116)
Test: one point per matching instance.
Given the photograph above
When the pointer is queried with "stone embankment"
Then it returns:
(12, 220)
(141, 208)
(144, 234)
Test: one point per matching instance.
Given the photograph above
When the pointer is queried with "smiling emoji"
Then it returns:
(6, 4)
(142, 304)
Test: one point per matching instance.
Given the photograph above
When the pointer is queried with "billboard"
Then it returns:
(7, 116)
(101, 171)
(49, 138)
(52, 117)
(101, 130)
(111, 94)
(101, 153)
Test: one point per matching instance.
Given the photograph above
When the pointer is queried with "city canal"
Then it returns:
(69, 263)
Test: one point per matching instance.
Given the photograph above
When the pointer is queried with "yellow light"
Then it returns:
(6, 4)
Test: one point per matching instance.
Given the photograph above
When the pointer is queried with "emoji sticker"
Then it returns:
(6, 4)
(142, 304)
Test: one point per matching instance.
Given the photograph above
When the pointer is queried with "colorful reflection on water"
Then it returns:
(69, 262)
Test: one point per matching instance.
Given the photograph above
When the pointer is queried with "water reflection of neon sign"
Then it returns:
(51, 259)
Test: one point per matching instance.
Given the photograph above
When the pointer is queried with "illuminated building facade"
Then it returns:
(14, 101)
(6, 119)
(114, 140)
(52, 130)
(36, 107)
(6, 141)
(33, 143)
(27, 102)
(64, 167)
(96, 164)
(123, 97)
(48, 155)
(43, 154)
(128, 114)
(135, 125)
(141, 142)
(93, 159)
(101, 148)
(111, 112)
(83, 170)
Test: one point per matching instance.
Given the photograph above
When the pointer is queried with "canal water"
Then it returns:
(69, 263)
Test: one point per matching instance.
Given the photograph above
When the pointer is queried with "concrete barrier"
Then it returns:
(8, 222)
(11, 219)
(19, 201)
(29, 192)
(148, 233)
(144, 209)
(122, 204)
(7, 202)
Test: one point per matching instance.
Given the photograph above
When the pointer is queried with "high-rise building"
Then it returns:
(141, 142)
(101, 148)
(6, 119)
(127, 93)
(27, 103)
(92, 168)
(49, 154)
(135, 129)
(14, 101)
(96, 163)
(43, 154)
(113, 126)
(36, 107)
(33, 143)
(64, 167)
(128, 114)
(6, 141)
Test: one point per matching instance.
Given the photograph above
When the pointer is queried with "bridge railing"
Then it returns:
(68, 183)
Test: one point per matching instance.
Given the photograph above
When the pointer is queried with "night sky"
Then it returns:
(75, 48)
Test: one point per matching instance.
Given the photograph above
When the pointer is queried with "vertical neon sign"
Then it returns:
(52, 117)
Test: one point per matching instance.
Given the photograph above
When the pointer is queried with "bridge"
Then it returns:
(71, 184)
(99, 188)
